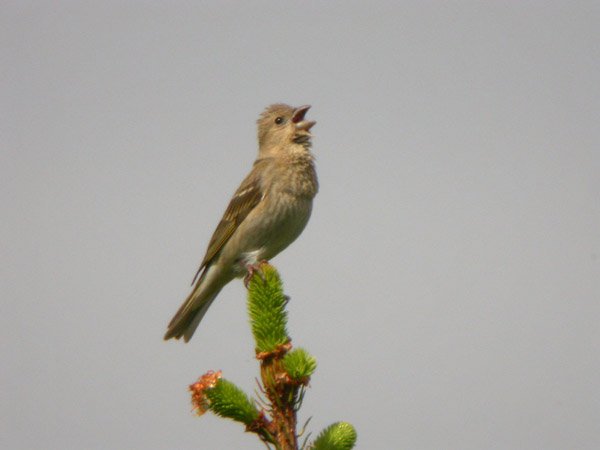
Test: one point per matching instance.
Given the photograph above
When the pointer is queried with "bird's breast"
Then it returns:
(297, 178)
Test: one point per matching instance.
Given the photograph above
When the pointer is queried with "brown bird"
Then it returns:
(266, 214)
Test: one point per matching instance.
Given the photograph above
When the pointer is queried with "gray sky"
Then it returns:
(448, 282)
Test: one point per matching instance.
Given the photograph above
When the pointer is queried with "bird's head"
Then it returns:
(281, 125)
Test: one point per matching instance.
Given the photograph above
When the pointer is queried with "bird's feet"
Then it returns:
(253, 269)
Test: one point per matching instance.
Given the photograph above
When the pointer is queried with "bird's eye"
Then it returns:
(279, 120)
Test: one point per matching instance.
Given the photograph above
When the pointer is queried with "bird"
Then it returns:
(266, 214)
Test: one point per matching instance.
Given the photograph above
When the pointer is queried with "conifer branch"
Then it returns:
(285, 374)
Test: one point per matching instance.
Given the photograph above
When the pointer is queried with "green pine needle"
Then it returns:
(339, 436)
(299, 364)
(266, 307)
(227, 400)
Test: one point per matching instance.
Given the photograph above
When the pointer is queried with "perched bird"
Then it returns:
(266, 214)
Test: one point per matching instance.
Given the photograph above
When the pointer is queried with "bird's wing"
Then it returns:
(246, 198)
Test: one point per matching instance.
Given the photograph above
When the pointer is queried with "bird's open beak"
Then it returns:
(298, 119)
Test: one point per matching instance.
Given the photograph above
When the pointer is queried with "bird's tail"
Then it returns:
(188, 317)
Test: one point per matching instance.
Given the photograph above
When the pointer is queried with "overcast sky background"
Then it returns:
(448, 282)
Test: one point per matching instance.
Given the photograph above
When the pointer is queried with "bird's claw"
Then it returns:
(254, 269)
